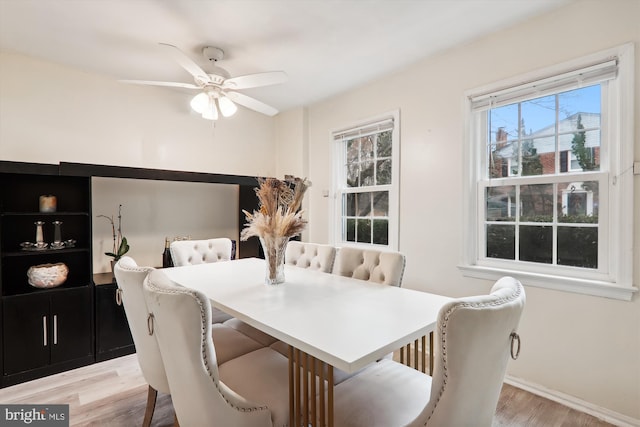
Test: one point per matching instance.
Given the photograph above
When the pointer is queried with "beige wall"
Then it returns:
(581, 346)
(154, 210)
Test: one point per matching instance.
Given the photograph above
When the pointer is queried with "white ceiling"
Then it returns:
(325, 46)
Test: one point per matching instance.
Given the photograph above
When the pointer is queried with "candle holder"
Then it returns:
(57, 235)
(39, 234)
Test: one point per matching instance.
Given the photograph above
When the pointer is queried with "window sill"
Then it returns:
(559, 283)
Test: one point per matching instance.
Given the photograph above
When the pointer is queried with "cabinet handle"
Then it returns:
(44, 330)
(55, 329)
(119, 296)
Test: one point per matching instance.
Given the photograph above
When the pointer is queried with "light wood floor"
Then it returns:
(113, 394)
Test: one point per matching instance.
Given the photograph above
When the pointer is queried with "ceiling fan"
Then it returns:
(218, 90)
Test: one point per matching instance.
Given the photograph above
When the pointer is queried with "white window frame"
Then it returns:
(338, 178)
(614, 279)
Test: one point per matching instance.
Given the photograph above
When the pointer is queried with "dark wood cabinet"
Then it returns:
(54, 327)
(44, 330)
(113, 336)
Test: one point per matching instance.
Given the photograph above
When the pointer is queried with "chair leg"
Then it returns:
(175, 420)
(152, 395)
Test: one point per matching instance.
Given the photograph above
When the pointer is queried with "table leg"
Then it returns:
(431, 353)
(309, 405)
(418, 360)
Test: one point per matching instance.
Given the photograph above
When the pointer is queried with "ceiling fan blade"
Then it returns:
(251, 103)
(185, 62)
(154, 83)
(256, 80)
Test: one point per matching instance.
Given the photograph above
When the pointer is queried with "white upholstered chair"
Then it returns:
(251, 390)
(190, 252)
(130, 277)
(368, 264)
(313, 256)
(474, 338)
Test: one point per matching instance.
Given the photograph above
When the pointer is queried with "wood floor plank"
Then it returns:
(114, 394)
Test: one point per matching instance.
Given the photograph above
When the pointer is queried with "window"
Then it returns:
(550, 177)
(366, 183)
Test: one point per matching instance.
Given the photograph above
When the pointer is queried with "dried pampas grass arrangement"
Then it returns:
(278, 218)
(279, 213)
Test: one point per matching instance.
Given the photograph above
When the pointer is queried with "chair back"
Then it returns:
(312, 256)
(182, 328)
(367, 264)
(130, 278)
(189, 252)
(472, 346)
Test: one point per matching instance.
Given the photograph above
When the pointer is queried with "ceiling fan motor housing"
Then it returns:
(213, 54)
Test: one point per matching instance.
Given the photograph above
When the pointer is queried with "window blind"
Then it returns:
(364, 130)
(584, 76)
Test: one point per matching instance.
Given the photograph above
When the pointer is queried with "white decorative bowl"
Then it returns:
(47, 275)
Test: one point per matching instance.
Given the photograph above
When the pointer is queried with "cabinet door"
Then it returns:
(112, 328)
(71, 325)
(26, 323)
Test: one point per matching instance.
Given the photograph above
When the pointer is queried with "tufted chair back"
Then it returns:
(472, 347)
(366, 264)
(189, 252)
(182, 328)
(313, 256)
(130, 278)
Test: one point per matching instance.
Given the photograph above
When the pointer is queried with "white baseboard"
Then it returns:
(574, 403)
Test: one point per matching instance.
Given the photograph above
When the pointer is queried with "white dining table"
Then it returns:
(343, 322)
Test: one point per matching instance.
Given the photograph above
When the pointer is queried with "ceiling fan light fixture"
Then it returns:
(199, 102)
(210, 112)
(218, 90)
(227, 107)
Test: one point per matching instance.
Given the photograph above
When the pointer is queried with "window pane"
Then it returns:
(501, 203)
(381, 231)
(351, 230)
(514, 169)
(383, 175)
(532, 161)
(539, 116)
(578, 202)
(536, 203)
(501, 241)
(381, 203)
(353, 150)
(585, 150)
(578, 246)
(366, 148)
(366, 174)
(384, 144)
(363, 204)
(536, 244)
(349, 204)
(504, 123)
(353, 171)
(363, 234)
(585, 102)
(498, 164)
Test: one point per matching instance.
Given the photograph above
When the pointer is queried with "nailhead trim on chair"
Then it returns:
(203, 346)
(443, 333)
